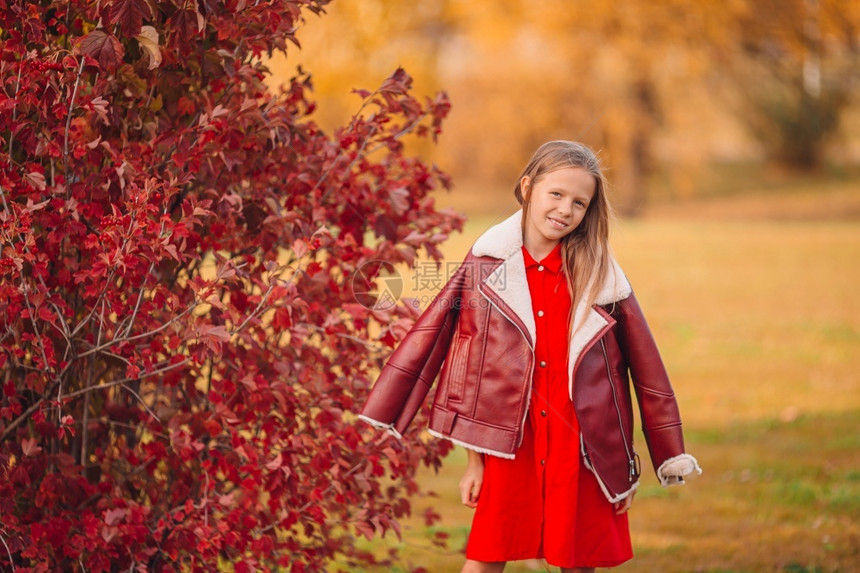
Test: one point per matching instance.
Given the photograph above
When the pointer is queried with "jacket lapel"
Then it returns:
(505, 241)
(509, 283)
(588, 323)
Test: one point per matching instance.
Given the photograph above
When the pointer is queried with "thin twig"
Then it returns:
(85, 423)
(36, 330)
(8, 552)
(5, 205)
(118, 357)
(127, 426)
(142, 403)
(406, 130)
(69, 121)
(206, 497)
(15, 108)
(139, 298)
(355, 117)
(337, 159)
(142, 287)
(366, 344)
(65, 331)
(250, 316)
(17, 421)
(86, 320)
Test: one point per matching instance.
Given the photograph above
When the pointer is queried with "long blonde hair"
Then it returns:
(585, 250)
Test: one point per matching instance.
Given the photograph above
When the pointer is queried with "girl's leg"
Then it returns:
(482, 567)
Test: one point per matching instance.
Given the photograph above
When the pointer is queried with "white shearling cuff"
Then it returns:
(382, 426)
(673, 470)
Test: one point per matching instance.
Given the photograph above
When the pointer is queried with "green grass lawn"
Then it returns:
(758, 320)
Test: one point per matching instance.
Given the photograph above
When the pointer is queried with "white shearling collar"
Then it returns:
(504, 240)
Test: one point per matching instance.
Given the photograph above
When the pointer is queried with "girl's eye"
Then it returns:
(555, 193)
(580, 203)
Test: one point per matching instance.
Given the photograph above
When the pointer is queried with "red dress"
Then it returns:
(543, 503)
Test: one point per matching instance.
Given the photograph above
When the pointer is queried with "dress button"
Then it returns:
(543, 363)
(543, 413)
(543, 462)
(540, 313)
(540, 268)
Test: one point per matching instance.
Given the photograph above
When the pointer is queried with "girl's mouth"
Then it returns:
(556, 223)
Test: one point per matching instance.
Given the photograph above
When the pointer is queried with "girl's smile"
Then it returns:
(557, 223)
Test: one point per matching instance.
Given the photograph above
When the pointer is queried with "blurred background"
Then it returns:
(683, 98)
(731, 136)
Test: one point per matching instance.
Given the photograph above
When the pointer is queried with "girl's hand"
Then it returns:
(470, 484)
(624, 505)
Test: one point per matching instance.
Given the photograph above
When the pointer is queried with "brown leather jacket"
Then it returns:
(480, 331)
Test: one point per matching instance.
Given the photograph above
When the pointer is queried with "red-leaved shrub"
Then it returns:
(181, 353)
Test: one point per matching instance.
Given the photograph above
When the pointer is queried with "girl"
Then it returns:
(537, 336)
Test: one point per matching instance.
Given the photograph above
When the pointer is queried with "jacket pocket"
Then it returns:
(457, 371)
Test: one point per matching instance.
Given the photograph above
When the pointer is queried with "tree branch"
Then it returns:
(17, 421)
(114, 341)
(139, 299)
(127, 380)
(15, 111)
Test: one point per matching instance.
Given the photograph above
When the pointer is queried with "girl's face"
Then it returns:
(557, 204)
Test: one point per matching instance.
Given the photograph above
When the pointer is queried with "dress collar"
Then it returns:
(552, 261)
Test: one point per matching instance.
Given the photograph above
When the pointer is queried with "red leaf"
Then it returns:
(67, 423)
(47, 315)
(30, 447)
(102, 47)
(36, 179)
(215, 332)
(187, 23)
(228, 500)
(114, 516)
(129, 14)
(275, 463)
(364, 528)
(399, 200)
(300, 248)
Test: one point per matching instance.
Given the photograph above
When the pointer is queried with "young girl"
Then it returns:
(537, 336)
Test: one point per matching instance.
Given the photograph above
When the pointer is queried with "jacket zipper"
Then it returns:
(632, 473)
(531, 369)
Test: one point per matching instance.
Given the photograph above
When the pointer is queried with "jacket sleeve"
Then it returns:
(413, 366)
(661, 420)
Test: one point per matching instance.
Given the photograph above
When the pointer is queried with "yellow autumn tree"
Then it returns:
(654, 85)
